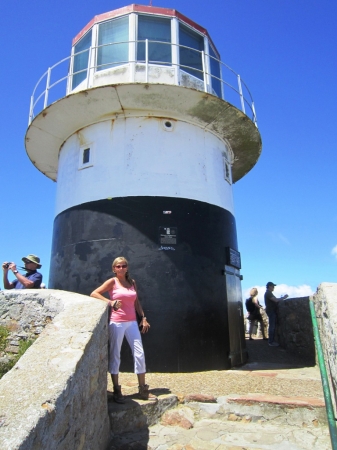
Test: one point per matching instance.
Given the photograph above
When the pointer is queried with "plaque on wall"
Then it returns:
(233, 258)
(167, 235)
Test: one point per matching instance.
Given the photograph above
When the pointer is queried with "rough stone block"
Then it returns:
(137, 414)
(55, 396)
(295, 329)
(182, 417)
(202, 398)
(325, 301)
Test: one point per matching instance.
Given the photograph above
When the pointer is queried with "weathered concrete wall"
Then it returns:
(325, 301)
(295, 329)
(55, 396)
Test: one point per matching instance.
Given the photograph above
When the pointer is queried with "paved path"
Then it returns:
(271, 403)
(234, 423)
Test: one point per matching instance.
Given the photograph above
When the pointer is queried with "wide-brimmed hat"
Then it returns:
(32, 258)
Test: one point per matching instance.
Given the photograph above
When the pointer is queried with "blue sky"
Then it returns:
(285, 50)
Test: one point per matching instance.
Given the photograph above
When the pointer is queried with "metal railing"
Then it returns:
(229, 87)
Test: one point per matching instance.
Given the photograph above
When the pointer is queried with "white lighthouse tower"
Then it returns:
(145, 132)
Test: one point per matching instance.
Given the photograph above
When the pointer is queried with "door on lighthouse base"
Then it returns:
(238, 353)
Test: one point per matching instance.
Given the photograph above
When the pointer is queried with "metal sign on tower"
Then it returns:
(145, 132)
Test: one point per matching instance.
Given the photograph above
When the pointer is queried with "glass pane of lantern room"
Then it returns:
(113, 37)
(215, 71)
(81, 58)
(154, 29)
(190, 60)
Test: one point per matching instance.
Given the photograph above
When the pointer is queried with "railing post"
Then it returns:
(47, 89)
(241, 95)
(89, 67)
(31, 110)
(70, 73)
(204, 70)
(175, 50)
(254, 114)
(146, 60)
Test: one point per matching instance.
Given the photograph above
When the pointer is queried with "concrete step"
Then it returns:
(137, 414)
(229, 422)
(211, 435)
(297, 411)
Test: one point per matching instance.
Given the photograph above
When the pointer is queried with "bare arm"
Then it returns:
(106, 287)
(103, 289)
(144, 323)
(276, 300)
(7, 284)
(28, 284)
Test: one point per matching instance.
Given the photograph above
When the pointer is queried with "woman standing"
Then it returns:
(254, 308)
(124, 303)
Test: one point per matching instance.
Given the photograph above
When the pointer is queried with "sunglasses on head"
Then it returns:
(121, 266)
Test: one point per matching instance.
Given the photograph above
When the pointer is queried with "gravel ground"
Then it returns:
(282, 375)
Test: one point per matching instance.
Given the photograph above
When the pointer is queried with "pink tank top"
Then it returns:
(127, 312)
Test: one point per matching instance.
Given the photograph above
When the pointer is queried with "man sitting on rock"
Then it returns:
(31, 280)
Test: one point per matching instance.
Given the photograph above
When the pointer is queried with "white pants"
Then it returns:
(117, 331)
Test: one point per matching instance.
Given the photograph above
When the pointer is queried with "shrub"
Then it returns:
(6, 366)
(3, 337)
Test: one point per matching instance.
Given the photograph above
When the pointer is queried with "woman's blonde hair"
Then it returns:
(253, 292)
(119, 260)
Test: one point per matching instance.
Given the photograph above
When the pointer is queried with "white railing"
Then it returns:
(53, 84)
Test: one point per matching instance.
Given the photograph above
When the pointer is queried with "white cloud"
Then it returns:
(334, 251)
(303, 290)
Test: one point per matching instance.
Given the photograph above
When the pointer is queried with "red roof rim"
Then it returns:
(141, 9)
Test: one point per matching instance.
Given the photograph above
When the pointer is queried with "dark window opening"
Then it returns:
(191, 58)
(154, 29)
(81, 59)
(113, 45)
(215, 71)
(86, 156)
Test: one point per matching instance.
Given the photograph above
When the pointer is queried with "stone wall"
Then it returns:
(55, 396)
(295, 331)
(325, 301)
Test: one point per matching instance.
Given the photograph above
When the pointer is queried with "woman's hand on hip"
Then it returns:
(116, 304)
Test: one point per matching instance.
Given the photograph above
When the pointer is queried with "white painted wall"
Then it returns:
(131, 72)
(138, 157)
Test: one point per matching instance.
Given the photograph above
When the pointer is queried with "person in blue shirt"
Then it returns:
(31, 280)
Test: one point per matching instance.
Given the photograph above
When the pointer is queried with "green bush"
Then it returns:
(23, 346)
(3, 337)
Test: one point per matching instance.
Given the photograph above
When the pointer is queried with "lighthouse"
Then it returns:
(145, 130)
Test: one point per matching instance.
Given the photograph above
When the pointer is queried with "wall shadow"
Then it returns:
(130, 421)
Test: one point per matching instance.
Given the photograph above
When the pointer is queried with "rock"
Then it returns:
(4, 360)
(201, 398)
(12, 349)
(181, 417)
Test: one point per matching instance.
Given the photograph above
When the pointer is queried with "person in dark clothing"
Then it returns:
(271, 310)
(31, 280)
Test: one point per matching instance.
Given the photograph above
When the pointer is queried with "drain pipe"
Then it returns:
(324, 377)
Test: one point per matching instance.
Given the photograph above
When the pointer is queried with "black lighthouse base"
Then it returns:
(176, 250)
